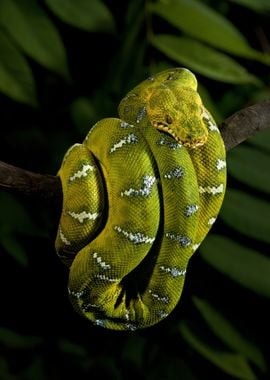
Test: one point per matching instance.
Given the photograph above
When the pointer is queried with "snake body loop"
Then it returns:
(139, 196)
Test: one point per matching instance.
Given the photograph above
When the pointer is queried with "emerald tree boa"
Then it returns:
(139, 196)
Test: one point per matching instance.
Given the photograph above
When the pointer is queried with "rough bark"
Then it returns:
(27, 183)
(245, 123)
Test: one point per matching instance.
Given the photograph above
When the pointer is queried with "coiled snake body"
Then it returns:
(139, 196)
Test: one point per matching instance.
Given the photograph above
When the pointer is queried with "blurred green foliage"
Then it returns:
(65, 64)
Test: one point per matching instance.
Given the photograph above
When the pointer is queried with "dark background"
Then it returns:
(66, 64)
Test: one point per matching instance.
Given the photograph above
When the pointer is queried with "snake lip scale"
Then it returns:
(140, 194)
(192, 145)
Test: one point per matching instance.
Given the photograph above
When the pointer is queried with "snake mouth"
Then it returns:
(189, 143)
(165, 128)
(195, 143)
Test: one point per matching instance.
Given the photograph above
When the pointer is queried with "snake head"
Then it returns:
(179, 112)
(169, 101)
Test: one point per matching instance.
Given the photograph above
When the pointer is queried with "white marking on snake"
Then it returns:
(135, 237)
(184, 241)
(76, 294)
(211, 221)
(125, 125)
(131, 95)
(173, 145)
(171, 76)
(212, 127)
(91, 130)
(63, 238)
(211, 189)
(105, 278)
(177, 173)
(221, 164)
(129, 139)
(148, 183)
(195, 246)
(81, 216)
(100, 262)
(162, 314)
(130, 326)
(70, 150)
(164, 299)
(173, 271)
(141, 114)
(86, 307)
(205, 115)
(82, 172)
(100, 322)
(191, 209)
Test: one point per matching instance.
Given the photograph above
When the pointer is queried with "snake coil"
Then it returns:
(139, 196)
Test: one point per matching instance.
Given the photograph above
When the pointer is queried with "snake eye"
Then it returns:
(168, 119)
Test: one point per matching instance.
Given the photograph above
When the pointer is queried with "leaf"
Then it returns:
(233, 364)
(34, 33)
(93, 16)
(4, 370)
(10, 339)
(83, 114)
(202, 59)
(200, 21)
(70, 348)
(247, 214)
(35, 370)
(260, 95)
(243, 265)
(255, 5)
(134, 351)
(15, 221)
(250, 166)
(167, 366)
(14, 217)
(16, 250)
(227, 333)
(16, 80)
(107, 367)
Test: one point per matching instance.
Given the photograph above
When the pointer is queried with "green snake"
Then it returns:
(139, 196)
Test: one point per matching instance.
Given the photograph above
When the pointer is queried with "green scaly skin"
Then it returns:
(139, 196)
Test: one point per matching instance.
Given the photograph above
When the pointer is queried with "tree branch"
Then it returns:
(234, 130)
(245, 123)
(17, 180)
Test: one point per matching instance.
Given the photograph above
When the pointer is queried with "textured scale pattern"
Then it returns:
(139, 196)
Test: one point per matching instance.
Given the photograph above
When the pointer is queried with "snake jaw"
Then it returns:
(192, 143)
(165, 128)
(195, 143)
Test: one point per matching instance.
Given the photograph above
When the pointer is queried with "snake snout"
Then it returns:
(194, 143)
(194, 133)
